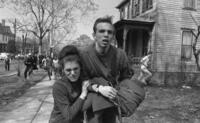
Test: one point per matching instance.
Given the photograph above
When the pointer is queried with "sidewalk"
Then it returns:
(33, 107)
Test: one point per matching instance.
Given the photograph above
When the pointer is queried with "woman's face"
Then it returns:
(72, 70)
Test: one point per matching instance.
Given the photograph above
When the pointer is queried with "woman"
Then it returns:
(69, 92)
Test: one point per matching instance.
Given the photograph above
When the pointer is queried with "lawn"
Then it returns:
(168, 105)
(12, 87)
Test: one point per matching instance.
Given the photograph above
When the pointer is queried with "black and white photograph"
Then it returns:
(99, 61)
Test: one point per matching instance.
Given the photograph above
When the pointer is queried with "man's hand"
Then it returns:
(108, 91)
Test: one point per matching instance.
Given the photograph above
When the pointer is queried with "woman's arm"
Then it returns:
(61, 98)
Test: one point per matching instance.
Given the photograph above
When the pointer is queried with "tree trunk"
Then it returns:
(40, 46)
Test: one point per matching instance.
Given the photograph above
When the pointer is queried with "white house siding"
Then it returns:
(171, 19)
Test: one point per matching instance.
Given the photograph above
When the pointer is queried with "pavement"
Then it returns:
(34, 106)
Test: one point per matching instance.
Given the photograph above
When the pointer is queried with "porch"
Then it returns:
(134, 36)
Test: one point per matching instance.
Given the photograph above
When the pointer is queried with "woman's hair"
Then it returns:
(67, 54)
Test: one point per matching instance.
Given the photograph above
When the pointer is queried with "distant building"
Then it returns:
(163, 27)
(5, 36)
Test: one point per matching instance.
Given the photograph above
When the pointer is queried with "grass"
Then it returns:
(12, 87)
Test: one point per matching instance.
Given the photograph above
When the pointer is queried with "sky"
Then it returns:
(106, 7)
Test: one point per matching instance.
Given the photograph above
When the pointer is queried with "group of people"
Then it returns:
(88, 89)
(51, 66)
(47, 63)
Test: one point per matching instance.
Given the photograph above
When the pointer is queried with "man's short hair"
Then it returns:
(106, 19)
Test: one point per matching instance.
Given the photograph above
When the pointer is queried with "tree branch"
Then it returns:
(31, 7)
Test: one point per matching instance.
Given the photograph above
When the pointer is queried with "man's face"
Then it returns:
(104, 34)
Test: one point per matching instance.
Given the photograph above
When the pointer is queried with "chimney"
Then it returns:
(3, 22)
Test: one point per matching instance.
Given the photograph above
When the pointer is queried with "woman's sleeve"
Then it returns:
(61, 99)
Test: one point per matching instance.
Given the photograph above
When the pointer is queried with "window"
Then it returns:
(126, 12)
(135, 8)
(146, 5)
(122, 13)
(189, 4)
(186, 49)
(129, 10)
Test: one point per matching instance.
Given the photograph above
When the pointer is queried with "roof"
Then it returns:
(5, 30)
(144, 23)
(122, 3)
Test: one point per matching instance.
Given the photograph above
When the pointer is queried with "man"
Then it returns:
(47, 66)
(7, 63)
(55, 67)
(29, 65)
(35, 61)
(105, 65)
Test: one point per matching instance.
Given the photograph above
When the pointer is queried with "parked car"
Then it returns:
(3, 56)
(19, 56)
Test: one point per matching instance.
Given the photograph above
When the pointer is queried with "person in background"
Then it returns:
(145, 63)
(70, 91)
(29, 65)
(46, 61)
(35, 61)
(7, 63)
(56, 67)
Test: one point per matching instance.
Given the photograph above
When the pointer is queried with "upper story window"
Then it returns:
(189, 4)
(135, 8)
(122, 13)
(186, 47)
(125, 11)
(146, 5)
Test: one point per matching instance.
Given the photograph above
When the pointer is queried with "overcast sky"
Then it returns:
(106, 7)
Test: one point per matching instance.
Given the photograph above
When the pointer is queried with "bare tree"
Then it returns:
(196, 50)
(50, 16)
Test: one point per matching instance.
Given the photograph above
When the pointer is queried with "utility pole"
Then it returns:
(15, 29)
(51, 33)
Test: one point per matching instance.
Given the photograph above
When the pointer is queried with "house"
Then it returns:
(163, 27)
(5, 36)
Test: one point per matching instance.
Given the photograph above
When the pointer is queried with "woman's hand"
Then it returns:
(84, 89)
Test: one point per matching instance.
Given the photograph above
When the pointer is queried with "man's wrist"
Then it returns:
(100, 88)
(82, 96)
(95, 87)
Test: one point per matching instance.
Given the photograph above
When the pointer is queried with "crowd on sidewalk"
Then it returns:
(33, 62)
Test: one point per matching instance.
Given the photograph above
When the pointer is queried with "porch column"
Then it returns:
(124, 38)
(150, 41)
